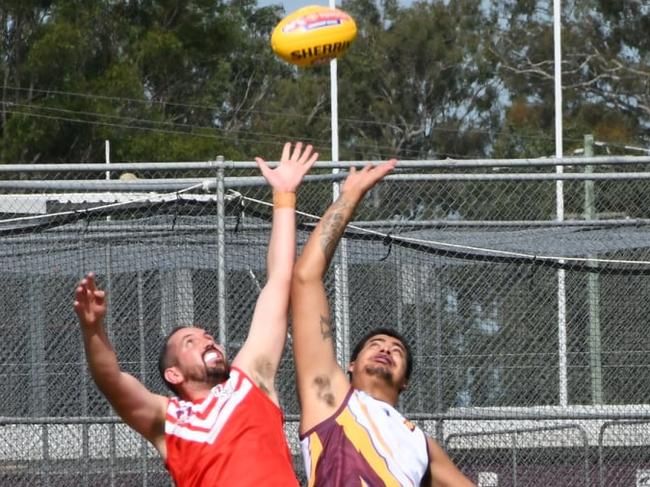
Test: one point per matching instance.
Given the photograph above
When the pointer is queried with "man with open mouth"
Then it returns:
(224, 427)
(350, 431)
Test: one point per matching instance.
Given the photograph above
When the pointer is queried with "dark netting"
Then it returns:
(468, 271)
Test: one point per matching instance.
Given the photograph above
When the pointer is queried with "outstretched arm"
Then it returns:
(261, 353)
(442, 471)
(134, 403)
(322, 384)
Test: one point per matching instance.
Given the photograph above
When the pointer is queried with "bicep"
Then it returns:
(261, 353)
(322, 384)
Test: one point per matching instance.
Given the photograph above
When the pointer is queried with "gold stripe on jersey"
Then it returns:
(315, 449)
(375, 430)
(359, 437)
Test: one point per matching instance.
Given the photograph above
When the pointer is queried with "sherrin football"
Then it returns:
(313, 35)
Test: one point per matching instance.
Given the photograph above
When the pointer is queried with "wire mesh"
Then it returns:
(467, 270)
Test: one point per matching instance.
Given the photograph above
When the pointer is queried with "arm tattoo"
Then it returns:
(333, 227)
(325, 327)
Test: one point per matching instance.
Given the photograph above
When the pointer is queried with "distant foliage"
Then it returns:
(190, 80)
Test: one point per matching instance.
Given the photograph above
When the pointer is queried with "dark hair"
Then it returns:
(391, 333)
(164, 361)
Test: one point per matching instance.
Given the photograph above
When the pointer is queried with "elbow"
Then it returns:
(303, 274)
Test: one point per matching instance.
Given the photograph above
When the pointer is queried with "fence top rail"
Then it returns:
(515, 431)
(323, 164)
(634, 413)
(208, 184)
(600, 412)
(49, 420)
(113, 227)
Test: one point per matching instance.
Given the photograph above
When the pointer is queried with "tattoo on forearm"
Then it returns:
(333, 227)
(326, 327)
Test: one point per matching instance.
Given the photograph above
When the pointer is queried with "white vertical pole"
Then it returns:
(559, 202)
(341, 314)
(107, 159)
(109, 288)
(221, 254)
(334, 95)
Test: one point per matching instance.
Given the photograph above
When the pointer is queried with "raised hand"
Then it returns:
(292, 168)
(90, 302)
(361, 181)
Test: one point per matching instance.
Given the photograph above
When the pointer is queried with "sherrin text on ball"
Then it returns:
(313, 35)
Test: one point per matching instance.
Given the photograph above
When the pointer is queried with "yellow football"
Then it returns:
(313, 35)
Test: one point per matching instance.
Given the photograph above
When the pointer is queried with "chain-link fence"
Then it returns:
(528, 330)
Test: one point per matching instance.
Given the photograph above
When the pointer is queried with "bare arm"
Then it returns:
(141, 409)
(322, 384)
(261, 353)
(442, 471)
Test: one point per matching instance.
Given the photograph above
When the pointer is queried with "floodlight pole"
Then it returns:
(559, 203)
(107, 160)
(341, 303)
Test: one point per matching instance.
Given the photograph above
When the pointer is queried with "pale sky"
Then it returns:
(291, 5)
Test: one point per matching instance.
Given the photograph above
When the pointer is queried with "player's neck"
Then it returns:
(379, 389)
(196, 392)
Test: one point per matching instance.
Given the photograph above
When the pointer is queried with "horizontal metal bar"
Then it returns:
(538, 429)
(9, 420)
(144, 185)
(449, 416)
(234, 182)
(417, 224)
(474, 163)
(171, 185)
(412, 164)
(252, 181)
(112, 167)
(530, 416)
(597, 176)
(137, 185)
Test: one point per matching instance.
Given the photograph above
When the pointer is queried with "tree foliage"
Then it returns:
(605, 70)
(187, 80)
(163, 80)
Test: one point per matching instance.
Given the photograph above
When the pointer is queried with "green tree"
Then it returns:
(162, 80)
(605, 70)
(416, 83)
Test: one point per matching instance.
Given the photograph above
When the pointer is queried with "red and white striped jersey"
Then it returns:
(233, 437)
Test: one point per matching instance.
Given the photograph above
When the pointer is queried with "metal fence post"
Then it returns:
(341, 297)
(143, 367)
(50, 236)
(514, 459)
(593, 290)
(440, 406)
(221, 254)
